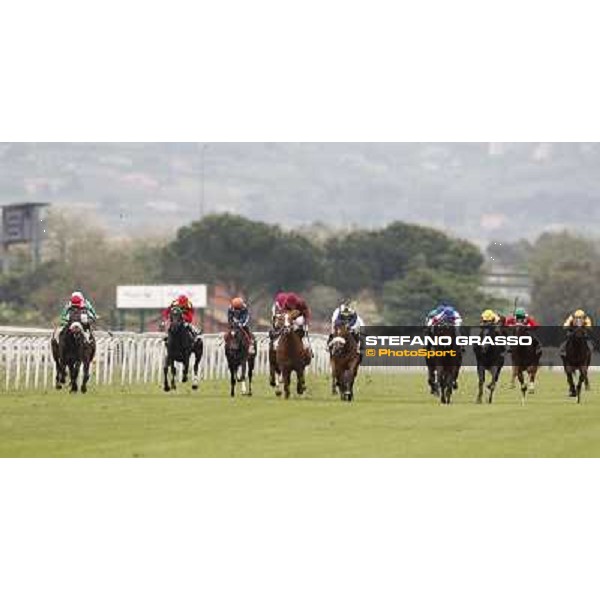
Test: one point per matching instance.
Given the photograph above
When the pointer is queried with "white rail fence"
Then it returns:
(126, 358)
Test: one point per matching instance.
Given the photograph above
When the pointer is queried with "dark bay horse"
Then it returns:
(239, 358)
(490, 358)
(525, 359)
(446, 366)
(180, 346)
(288, 355)
(345, 361)
(577, 358)
(74, 349)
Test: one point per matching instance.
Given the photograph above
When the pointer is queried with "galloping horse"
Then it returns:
(525, 359)
(577, 357)
(345, 361)
(74, 348)
(290, 355)
(490, 357)
(180, 346)
(239, 358)
(446, 367)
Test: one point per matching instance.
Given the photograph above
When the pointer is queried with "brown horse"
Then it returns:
(577, 357)
(287, 355)
(525, 359)
(345, 361)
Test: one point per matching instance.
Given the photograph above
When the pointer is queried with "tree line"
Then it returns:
(395, 273)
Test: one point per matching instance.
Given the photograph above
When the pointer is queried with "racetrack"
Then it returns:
(392, 415)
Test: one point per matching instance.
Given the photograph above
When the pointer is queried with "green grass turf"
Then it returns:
(391, 416)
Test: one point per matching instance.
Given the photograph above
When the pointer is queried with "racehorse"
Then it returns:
(525, 359)
(446, 365)
(490, 357)
(577, 357)
(290, 356)
(74, 348)
(239, 359)
(345, 361)
(180, 345)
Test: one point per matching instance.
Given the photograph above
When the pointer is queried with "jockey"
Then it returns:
(490, 317)
(287, 301)
(77, 302)
(444, 313)
(346, 314)
(521, 317)
(187, 310)
(578, 318)
(238, 314)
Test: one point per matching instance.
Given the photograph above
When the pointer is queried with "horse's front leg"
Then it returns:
(195, 378)
(582, 376)
(570, 382)
(173, 376)
(232, 380)
(333, 377)
(287, 376)
(86, 376)
(522, 383)
(166, 386)
(74, 375)
(273, 370)
(495, 372)
(481, 376)
(242, 378)
(586, 380)
(250, 372)
(60, 377)
(300, 383)
(532, 373)
(186, 369)
(431, 379)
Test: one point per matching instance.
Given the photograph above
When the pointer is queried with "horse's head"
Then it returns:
(176, 318)
(578, 328)
(521, 329)
(288, 321)
(234, 338)
(278, 320)
(488, 330)
(341, 329)
(75, 328)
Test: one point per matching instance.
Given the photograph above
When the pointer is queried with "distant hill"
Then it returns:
(480, 191)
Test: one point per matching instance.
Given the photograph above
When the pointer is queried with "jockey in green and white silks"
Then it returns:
(88, 315)
(77, 302)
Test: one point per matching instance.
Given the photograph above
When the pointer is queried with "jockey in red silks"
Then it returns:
(187, 310)
(291, 301)
(285, 301)
(521, 318)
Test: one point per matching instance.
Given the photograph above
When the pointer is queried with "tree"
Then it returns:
(248, 257)
(368, 259)
(565, 275)
(406, 301)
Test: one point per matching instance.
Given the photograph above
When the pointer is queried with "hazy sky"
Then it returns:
(480, 191)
